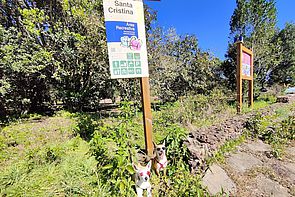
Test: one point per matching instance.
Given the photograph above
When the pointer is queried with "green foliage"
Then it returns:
(69, 172)
(111, 145)
(24, 82)
(113, 141)
(268, 97)
(53, 162)
(81, 77)
(179, 181)
(86, 126)
(177, 150)
(192, 109)
(59, 56)
(53, 52)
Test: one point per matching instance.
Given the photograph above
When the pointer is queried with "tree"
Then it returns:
(54, 51)
(25, 63)
(178, 67)
(285, 71)
(255, 20)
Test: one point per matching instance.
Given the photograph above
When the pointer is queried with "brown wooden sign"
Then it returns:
(244, 71)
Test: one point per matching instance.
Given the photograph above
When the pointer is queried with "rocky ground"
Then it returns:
(251, 171)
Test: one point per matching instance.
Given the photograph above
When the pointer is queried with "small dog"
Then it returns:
(160, 159)
(142, 177)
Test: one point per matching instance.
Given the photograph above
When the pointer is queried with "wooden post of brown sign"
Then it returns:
(251, 83)
(251, 92)
(239, 78)
(147, 115)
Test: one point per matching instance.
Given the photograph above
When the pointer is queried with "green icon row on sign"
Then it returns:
(131, 56)
(127, 71)
(123, 64)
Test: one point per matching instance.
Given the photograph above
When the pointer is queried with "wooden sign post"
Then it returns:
(147, 114)
(244, 71)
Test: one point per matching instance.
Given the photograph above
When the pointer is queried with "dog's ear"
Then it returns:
(164, 143)
(155, 145)
(134, 167)
(149, 165)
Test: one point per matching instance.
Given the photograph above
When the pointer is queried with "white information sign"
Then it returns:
(126, 40)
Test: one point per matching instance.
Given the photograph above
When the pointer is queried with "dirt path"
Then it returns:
(202, 142)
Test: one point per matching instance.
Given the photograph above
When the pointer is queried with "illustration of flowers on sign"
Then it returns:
(125, 40)
(133, 43)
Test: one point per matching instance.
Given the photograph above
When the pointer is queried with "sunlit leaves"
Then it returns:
(33, 20)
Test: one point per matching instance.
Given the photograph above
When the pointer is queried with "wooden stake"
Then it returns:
(239, 78)
(147, 115)
(251, 83)
(250, 93)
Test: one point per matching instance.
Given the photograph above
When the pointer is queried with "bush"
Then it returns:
(191, 109)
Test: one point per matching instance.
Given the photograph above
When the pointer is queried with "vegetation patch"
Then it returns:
(276, 129)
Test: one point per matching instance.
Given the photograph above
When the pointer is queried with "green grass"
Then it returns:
(64, 169)
(259, 104)
(42, 158)
(21, 136)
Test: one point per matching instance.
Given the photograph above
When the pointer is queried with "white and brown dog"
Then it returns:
(160, 160)
(142, 177)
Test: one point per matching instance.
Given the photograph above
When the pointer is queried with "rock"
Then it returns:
(241, 162)
(216, 180)
(263, 186)
(291, 171)
(283, 99)
(291, 151)
(258, 146)
(285, 171)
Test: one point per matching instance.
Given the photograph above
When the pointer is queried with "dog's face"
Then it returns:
(143, 173)
(160, 150)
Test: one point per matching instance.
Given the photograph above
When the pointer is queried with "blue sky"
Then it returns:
(209, 19)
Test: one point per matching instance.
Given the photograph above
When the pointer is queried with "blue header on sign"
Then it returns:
(119, 29)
